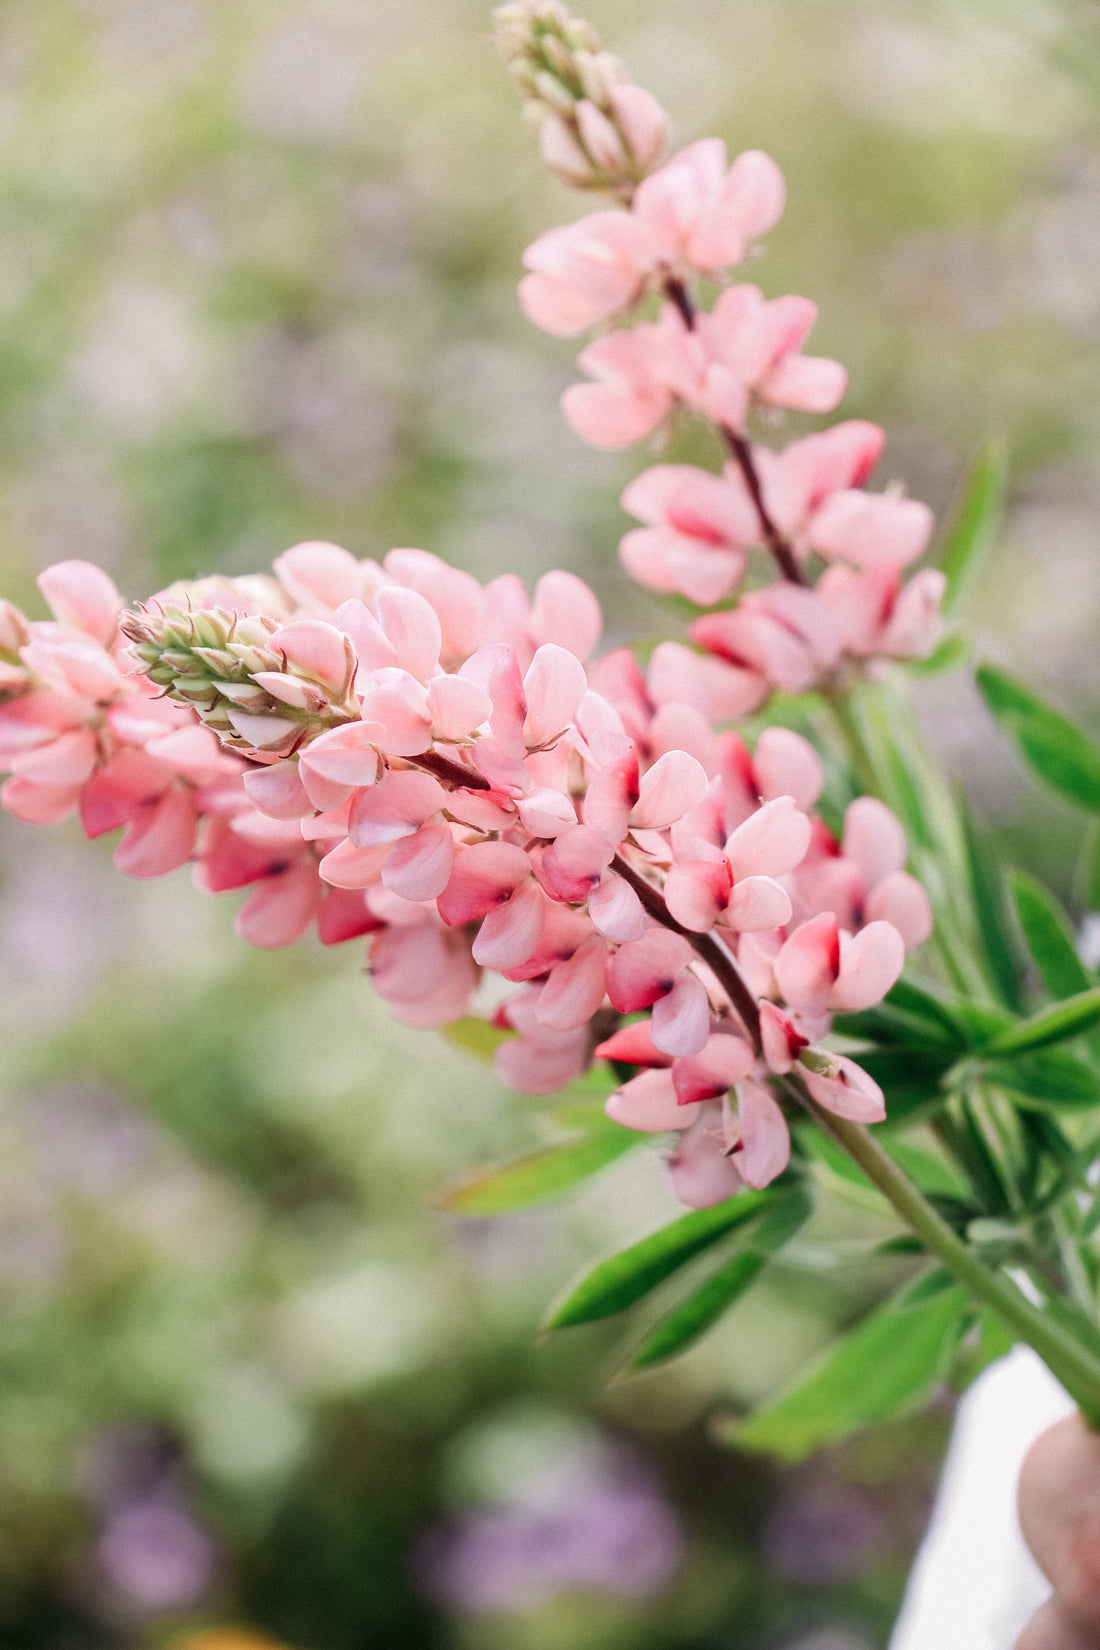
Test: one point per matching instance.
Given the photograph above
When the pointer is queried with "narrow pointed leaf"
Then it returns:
(695, 1315)
(1070, 1018)
(974, 522)
(616, 1283)
(538, 1175)
(1049, 937)
(989, 909)
(950, 654)
(887, 1365)
(1052, 1077)
(1060, 752)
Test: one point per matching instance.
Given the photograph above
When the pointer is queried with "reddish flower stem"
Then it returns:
(708, 948)
(451, 773)
(741, 451)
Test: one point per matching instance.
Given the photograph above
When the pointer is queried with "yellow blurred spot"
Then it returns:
(228, 1638)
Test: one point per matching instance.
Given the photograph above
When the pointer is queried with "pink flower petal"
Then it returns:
(648, 1103)
(874, 838)
(700, 1171)
(485, 875)
(681, 1020)
(553, 687)
(758, 903)
(615, 909)
(870, 962)
(723, 1061)
(696, 893)
(781, 1041)
(278, 791)
(511, 932)
(808, 964)
(633, 1045)
(575, 988)
(419, 867)
(83, 596)
(412, 628)
(644, 970)
(394, 808)
(785, 764)
(851, 1093)
(281, 908)
(765, 1147)
(565, 611)
(901, 901)
(675, 783)
(770, 842)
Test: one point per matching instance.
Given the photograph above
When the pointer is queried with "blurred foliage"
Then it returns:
(257, 285)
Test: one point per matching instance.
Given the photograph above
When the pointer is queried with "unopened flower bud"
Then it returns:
(598, 139)
(232, 671)
(601, 140)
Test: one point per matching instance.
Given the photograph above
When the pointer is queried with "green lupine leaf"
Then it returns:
(538, 1175)
(1049, 937)
(910, 1077)
(1052, 1077)
(922, 1005)
(925, 1288)
(686, 1322)
(974, 522)
(989, 909)
(1057, 1024)
(887, 1365)
(694, 1316)
(616, 1283)
(1060, 752)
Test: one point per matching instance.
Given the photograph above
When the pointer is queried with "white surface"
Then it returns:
(975, 1584)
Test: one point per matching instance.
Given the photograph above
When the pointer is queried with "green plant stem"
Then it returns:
(863, 765)
(1072, 1364)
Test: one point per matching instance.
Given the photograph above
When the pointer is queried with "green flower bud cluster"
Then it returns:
(223, 665)
(589, 134)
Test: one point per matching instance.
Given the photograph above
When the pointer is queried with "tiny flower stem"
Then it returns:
(773, 538)
(854, 743)
(677, 293)
(709, 949)
(1071, 1362)
(451, 773)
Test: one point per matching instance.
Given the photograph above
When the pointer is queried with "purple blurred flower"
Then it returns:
(821, 1532)
(155, 1553)
(597, 1524)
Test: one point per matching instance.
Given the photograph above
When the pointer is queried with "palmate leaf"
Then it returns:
(682, 1326)
(1049, 937)
(616, 1283)
(885, 1366)
(538, 1175)
(1060, 752)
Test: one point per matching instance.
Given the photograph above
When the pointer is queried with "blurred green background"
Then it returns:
(257, 272)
